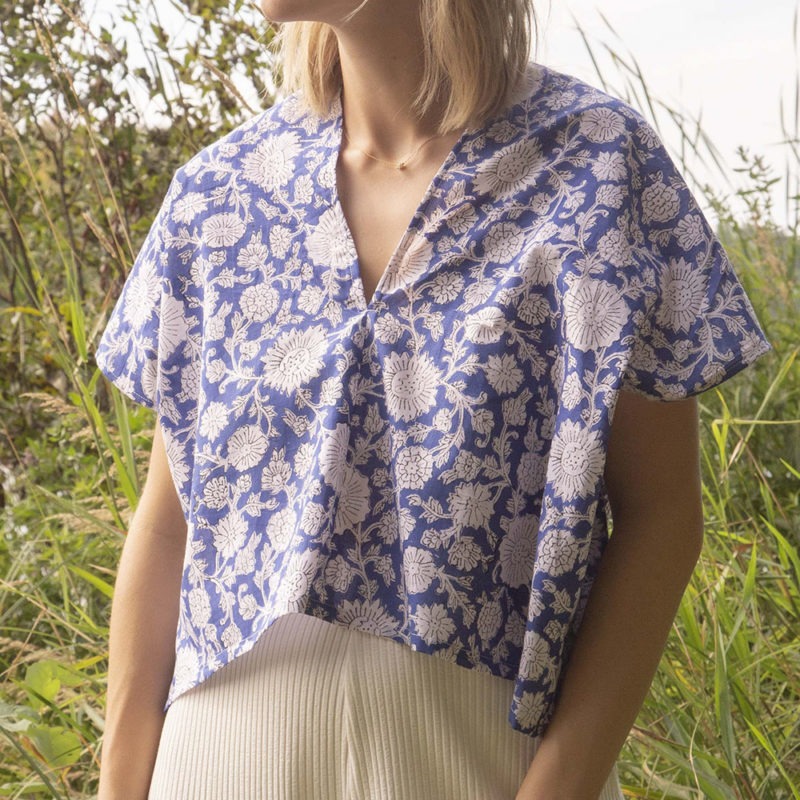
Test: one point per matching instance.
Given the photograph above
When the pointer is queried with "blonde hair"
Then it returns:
(475, 52)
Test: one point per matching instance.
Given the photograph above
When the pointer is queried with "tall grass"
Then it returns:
(722, 718)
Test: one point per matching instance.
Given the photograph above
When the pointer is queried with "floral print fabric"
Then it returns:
(426, 465)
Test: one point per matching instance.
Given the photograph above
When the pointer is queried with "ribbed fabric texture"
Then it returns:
(317, 711)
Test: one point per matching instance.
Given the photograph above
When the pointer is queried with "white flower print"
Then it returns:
(246, 447)
(214, 329)
(248, 606)
(503, 242)
(253, 255)
(466, 466)
(275, 477)
(609, 166)
(299, 572)
(542, 264)
(411, 261)
(229, 534)
(486, 325)
(295, 358)
(187, 666)
(353, 504)
(614, 248)
(594, 313)
(490, 619)
(366, 615)
(478, 292)
(462, 219)
(231, 636)
(190, 381)
(534, 309)
(215, 493)
(281, 528)
(214, 420)
(310, 299)
(501, 131)
(531, 472)
(411, 382)
(149, 379)
(610, 195)
(174, 325)
(557, 552)
(280, 240)
(518, 550)
(536, 658)
(418, 569)
(215, 369)
(245, 561)
(339, 573)
(141, 295)
(446, 287)
(483, 420)
(329, 243)
(471, 504)
(413, 467)
(660, 202)
(602, 125)
(176, 459)
(332, 457)
(434, 624)
(388, 328)
(577, 460)
(503, 373)
(313, 517)
(186, 208)
(200, 606)
(511, 169)
(464, 553)
(303, 459)
(303, 190)
(573, 391)
(271, 162)
(259, 302)
(442, 420)
(223, 230)
(683, 294)
(555, 630)
(530, 708)
(690, 231)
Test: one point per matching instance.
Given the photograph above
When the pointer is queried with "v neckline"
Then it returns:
(334, 146)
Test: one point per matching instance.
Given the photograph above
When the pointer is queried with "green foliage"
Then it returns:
(94, 117)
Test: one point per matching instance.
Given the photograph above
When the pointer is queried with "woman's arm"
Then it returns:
(144, 618)
(653, 479)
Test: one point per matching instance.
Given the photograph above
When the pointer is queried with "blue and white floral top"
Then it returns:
(426, 464)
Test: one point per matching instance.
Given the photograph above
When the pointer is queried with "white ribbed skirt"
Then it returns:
(319, 711)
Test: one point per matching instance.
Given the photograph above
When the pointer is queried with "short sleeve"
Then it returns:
(697, 326)
(143, 329)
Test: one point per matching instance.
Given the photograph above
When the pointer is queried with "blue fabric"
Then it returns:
(426, 466)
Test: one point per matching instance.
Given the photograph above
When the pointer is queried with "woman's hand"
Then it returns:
(653, 479)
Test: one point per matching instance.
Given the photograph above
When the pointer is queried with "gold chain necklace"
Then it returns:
(396, 164)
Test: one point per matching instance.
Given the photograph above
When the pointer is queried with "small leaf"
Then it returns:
(58, 746)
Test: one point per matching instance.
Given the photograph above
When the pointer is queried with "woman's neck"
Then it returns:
(382, 67)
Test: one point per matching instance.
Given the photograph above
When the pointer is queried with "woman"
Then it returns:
(379, 441)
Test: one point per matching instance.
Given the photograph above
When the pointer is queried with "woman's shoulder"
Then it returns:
(560, 97)
(288, 118)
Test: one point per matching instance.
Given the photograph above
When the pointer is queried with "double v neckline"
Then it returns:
(334, 146)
